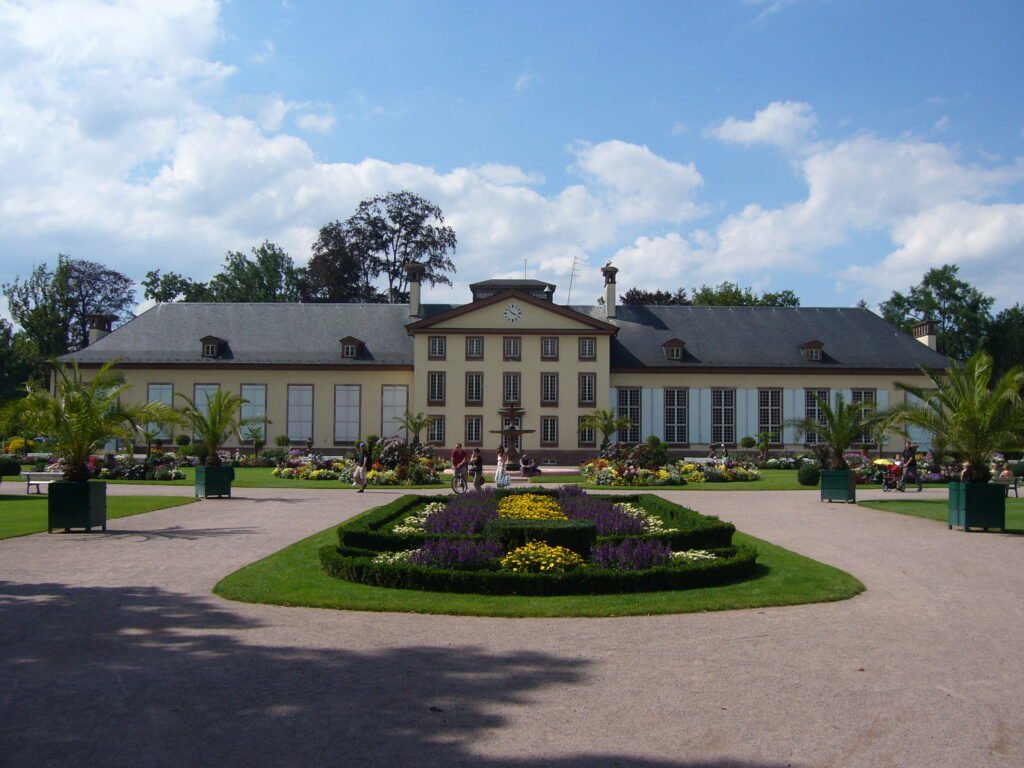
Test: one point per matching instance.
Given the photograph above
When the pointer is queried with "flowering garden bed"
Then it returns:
(618, 474)
(538, 542)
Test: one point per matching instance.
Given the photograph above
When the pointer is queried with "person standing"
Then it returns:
(500, 479)
(476, 463)
(459, 459)
(362, 467)
(910, 466)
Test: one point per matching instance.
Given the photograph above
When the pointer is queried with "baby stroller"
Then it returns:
(891, 479)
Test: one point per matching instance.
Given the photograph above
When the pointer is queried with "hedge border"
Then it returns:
(733, 565)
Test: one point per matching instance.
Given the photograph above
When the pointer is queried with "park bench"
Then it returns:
(1010, 483)
(39, 479)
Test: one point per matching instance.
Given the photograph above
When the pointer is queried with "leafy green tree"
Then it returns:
(398, 229)
(270, 276)
(967, 412)
(1005, 339)
(19, 362)
(173, 287)
(82, 415)
(340, 270)
(605, 421)
(728, 294)
(962, 312)
(657, 298)
(53, 308)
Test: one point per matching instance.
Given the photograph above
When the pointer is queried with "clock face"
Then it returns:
(513, 313)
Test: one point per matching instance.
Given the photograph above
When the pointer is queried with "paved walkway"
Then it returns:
(113, 651)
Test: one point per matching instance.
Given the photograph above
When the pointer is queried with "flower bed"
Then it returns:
(607, 472)
(476, 543)
(418, 472)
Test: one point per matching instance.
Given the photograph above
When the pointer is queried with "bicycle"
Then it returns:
(459, 484)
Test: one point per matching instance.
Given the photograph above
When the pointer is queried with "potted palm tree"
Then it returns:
(77, 419)
(213, 425)
(606, 422)
(838, 428)
(973, 417)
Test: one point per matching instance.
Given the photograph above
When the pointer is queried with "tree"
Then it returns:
(962, 312)
(270, 276)
(339, 270)
(606, 422)
(414, 424)
(839, 427)
(1005, 339)
(658, 298)
(19, 362)
(173, 287)
(53, 308)
(728, 294)
(398, 229)
(968, 413)
(82, 415)
(214, 423)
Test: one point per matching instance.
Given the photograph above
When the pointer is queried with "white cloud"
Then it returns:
(523, 81)
(785, 124)
(942, 124)
(316, 123)
(679, 128)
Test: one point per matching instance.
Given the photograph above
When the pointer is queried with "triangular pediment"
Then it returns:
(509, 312)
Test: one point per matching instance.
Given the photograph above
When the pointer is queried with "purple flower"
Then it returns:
(467, 513)
(631, 555)
(458, 554)
(603, 514)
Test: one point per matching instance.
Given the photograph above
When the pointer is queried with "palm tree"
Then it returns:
(216, 423)
(80, 416)
(606, 422)
(967, 413)
(414, 423)
(838, 427)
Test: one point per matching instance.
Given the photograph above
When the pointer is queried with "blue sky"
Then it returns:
(835, 148)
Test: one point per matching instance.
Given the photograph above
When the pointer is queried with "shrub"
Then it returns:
(274, 456)
(10, 466)
(182, 440)
(632, 555)
(747, 442)
(511, 534)
(808, 474)
(459, 554)
(282, 441)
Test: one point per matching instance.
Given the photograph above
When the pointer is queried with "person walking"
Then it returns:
(910, 467)
(476, 464)
(362, 467)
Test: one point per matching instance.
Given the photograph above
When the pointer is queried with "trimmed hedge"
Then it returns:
(10, 466)
(364, 531)
(808, 474)
(511, 533)
(733, 564)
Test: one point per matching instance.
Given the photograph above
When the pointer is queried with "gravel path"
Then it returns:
(113, 651)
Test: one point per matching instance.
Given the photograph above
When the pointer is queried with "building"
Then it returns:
(333, 374)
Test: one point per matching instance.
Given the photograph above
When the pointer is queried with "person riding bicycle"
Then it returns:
(460, 464)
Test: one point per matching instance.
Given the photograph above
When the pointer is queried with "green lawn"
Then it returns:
(771, 480)
(261, 477)
(293, 577)
(22, 515)
(936, 509)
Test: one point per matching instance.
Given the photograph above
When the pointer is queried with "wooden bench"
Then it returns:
(39, 479)
(1010, 483)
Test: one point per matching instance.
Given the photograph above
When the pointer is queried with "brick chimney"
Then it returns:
(415, 272)
(609, 273)
(925, 333)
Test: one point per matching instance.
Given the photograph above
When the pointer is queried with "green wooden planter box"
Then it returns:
(78, 504)
(838, 485)
(977, 505)
(214, 481)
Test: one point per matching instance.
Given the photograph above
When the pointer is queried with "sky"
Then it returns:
(835, 148)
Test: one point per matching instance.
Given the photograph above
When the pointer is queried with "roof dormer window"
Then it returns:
(674, 349)
(350, 347)
(212, 346)
(812, 351)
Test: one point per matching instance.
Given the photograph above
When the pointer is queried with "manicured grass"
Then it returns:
(262, 477)
(936, 509)
(293, 577)
(22, 515)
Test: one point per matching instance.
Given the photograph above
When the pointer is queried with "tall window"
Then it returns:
(255, 409)
(474, 430)
(549, 430)
(437, 348)
(300, 412)
(394, 404)
(512, 346)
(549, 348)
(629, 407)
(677, 415)
(769, 414)
(723, 416)
(812, 410)
(435, 432)
(474, 388)
(435, 387)
(346, 413)
(161, 393)
(587, 436)
(510, 388)
(549, 389)
(588, 348)
(866, 398)
(201, 395)
(474, 347)
(588, 389)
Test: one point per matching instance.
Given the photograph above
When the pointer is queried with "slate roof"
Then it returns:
(714, 337)
(761, 337)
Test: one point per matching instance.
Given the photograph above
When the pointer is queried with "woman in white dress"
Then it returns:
(500, 479)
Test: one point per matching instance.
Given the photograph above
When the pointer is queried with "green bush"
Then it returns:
(182, 440)
(808, 474)
(10, 466)
(511, 533)
(282, 441)
(747, 442)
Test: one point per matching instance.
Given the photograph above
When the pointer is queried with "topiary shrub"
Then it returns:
(182, 440)
(747, 442)
(808, 474)
(282, 441)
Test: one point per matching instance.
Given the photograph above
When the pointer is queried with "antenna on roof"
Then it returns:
(572, 276)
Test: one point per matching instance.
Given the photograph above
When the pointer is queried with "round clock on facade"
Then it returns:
(513, 313)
